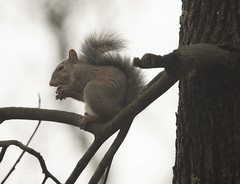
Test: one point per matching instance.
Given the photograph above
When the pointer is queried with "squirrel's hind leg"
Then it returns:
(87, 118)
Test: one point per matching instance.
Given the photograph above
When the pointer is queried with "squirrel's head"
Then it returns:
(62, 74)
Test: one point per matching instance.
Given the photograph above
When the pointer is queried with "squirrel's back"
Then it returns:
(104, 50)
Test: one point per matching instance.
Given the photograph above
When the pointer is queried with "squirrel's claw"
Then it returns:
(60, 98)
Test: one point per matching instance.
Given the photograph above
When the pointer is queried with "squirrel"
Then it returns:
(100, 77)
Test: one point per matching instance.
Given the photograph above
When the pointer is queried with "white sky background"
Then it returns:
(29, 54)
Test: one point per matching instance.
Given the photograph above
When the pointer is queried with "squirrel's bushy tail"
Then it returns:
(96, 45)
(104, 49)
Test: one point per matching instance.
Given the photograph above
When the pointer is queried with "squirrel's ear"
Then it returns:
(73, 56)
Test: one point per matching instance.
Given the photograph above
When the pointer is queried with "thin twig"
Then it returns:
(21, 155)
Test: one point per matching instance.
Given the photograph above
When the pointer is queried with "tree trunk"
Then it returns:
(208, 120)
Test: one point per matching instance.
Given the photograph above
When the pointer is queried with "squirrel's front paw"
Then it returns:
(60, 93)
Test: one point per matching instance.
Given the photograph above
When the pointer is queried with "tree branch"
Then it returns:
(8, 113)
(6, 144)
(186, 58)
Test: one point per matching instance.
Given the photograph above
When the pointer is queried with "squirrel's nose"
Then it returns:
(51, 83)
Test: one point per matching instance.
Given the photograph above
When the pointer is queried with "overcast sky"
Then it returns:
(29, 53)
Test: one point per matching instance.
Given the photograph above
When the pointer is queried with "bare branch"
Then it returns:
(38, 114)
(154, 61)
(6, 144)
(186, 58)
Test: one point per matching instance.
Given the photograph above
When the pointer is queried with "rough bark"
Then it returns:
(208, 120)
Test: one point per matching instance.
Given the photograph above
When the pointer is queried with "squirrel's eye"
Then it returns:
(60, 68)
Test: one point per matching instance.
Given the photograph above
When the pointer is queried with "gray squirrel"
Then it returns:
(100, 77)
